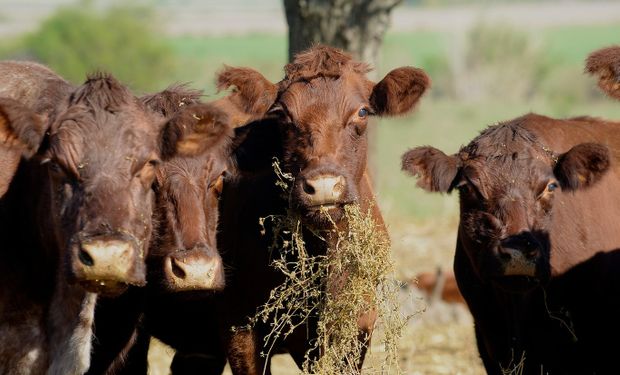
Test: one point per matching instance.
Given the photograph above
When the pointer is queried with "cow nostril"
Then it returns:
(308, 189)
(177, 271)
(504, 253)
(531, 253)
(85, 258)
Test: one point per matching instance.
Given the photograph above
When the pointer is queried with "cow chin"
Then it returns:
(322, 217)
(104, 288)
(516, 283)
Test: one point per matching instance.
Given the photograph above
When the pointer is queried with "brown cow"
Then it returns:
(537, 240)
(316, 122)
(439, 285)
(183, 255)
(75, 218)
(605, 64)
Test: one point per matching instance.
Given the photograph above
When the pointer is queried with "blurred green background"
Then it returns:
(489, 61)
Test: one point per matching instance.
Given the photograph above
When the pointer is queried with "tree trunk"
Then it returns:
(356, 26)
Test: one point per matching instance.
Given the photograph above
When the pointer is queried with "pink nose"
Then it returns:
(324, 189)
(194, 270)
(109, 260)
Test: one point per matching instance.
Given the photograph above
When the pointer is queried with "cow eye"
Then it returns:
(363, 112)
(552, 186)
(218, 185)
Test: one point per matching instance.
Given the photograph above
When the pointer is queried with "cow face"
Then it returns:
(184, 254)
(323, 107)
(103, 152)
(507, 181)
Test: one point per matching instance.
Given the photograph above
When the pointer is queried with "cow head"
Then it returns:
(507, 180)
(184, 255)
(322, 108)
(101, 158)
(605, 65)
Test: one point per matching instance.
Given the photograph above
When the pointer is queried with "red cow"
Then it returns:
(314, 122)
(537, 240)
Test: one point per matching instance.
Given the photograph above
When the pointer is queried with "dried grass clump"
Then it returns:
(355, 276)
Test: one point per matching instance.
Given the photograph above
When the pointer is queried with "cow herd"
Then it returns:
(124, 217)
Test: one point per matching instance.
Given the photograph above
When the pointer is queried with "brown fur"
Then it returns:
(568, 230)
(605, 64)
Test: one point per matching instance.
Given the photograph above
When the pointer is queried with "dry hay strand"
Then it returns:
(329, 292)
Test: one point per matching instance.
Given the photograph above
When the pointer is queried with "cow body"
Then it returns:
(536, 264)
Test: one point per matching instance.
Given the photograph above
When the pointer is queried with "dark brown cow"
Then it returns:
(537, 240)
(316, 122)
(183, 256)
(76, 215)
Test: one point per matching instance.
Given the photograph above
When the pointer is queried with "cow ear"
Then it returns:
(169, 101)
(21, 134)
(605, 64)
(435, 170)
(193, 130)
(582, 166)
(253, 94)
(399, 91)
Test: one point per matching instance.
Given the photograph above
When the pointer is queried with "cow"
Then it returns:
(605, 64)
(438, 286)
(315, 123)
(537, 241)
(75, 213)
(182, 257)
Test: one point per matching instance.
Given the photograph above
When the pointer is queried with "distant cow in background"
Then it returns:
(537, 256)
(438, 286)
(78, 165)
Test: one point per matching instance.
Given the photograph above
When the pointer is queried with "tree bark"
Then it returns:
(356, 26)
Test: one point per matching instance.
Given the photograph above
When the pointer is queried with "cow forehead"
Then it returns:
(325, 93)
(102, 139)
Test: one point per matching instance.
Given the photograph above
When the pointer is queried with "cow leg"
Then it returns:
(243, 351)
(366, 324)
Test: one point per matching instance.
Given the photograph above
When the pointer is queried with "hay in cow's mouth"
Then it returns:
(353, 277)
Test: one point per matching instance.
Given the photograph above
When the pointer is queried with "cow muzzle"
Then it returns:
(194, 270)
(519, 256)
(324, 190)
(106, 264)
